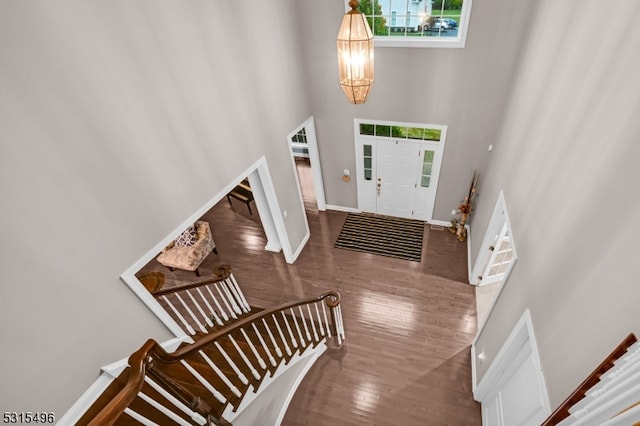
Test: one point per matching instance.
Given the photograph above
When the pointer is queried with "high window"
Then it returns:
(418, 23)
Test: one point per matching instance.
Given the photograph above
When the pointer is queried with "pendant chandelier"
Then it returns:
(355, 55)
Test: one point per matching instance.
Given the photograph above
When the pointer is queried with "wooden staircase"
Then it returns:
(231, 361)
(207, 305)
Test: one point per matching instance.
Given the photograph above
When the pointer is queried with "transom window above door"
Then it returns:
(402, 132)
(397, 166)
(417, 23)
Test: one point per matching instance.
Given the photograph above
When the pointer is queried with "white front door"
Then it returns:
(397, 176)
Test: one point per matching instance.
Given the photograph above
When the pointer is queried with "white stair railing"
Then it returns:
(199, 306)
(609, 395)
(201, 381)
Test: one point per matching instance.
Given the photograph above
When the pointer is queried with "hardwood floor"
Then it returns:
(409, 325)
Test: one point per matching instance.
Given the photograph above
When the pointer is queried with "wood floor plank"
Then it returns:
(409, 325)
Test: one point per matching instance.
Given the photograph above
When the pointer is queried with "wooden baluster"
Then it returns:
(182, 407)
(272, 360)
(140, 418)
(232, 364)
(341, 322)
(303, 343)
(217, 318)
(217, 395)
(313, 324)
(294, 342)
(221, 374)
(244, 357)
(186, 325)
(256, 354)
(212, 311)
(226, 302)
(191, 314)
(183, 394)
(247, 307)
(304, 323)
(224, 315)
(164, 410)
(236, 296)
(273, 341)
(287, 349)
(326, 320)
(320, 324)
(337, 313)
(225, 287)
(204, 316)
(336, 324)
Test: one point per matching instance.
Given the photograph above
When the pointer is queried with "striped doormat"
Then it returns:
(382, 235)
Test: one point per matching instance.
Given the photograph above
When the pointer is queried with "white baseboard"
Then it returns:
(304, 241)
(343, 209)
(81, 406)
(444, 223)
(469, 265)
(273, 247)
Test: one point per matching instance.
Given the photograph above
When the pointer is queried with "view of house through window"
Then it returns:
(416, 20)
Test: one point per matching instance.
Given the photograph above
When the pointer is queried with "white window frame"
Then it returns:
(437, 42)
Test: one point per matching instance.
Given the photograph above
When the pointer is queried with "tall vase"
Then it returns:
(462, 232)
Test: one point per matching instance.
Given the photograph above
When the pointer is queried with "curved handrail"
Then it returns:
(170, 358)
(138, 364)
(222, 272)
(151, 350)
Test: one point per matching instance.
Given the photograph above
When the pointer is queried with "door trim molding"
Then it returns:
(343, 209)
(521, 334)
(271, 218)
(500, 205)
(438, 146)
(314, 159)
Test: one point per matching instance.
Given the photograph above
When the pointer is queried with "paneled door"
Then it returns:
(513, 390)
(397, 174)
(397, 177)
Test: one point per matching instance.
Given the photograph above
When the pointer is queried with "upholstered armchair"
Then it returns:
(189, 249)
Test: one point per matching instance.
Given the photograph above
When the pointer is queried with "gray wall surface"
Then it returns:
(119, 120)
(465, 89)
(567, 160)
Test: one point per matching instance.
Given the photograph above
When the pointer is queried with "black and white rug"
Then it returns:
(382, 235)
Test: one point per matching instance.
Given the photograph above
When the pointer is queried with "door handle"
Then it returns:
(379, 186)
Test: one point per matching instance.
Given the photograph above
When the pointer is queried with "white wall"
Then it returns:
(118, 120)
(567, 159)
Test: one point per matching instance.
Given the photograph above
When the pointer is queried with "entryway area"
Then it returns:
(398, 167)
